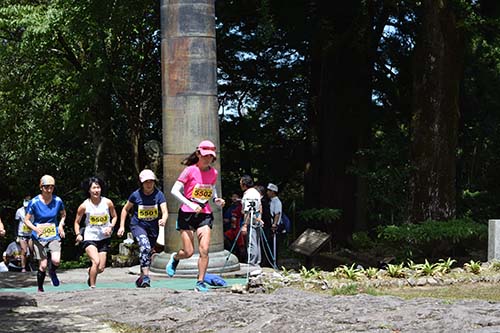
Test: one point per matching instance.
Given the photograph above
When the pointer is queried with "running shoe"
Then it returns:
(138, 282)
(53, 278)
(40, 290)
(201, 287)
(172, 265)
(146, 282)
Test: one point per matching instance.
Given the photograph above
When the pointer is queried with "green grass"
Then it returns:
(483, 291)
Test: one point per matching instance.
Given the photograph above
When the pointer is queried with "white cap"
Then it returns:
(146, 174)
(272, 187)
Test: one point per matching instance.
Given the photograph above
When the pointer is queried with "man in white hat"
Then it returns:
(274, 205)
(276, 211)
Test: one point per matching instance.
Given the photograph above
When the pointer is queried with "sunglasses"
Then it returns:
(48, 186)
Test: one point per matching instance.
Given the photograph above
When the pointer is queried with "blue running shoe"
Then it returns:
(146, 282)
(201, 287)
(172, 265)
(53, 278)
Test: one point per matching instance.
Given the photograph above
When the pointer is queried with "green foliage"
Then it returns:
(313, 273)
(350, 273)
(370, 272)
(431, 238)
(452, 230)
(80, 90)
(327, 215)
(495, 265)
(473, 267)
(350, 289)
(77, 83)
(285, 272)
(412, 265)
(82, 262)
(395, 271)
(361, 240)
(427, 269)
(444, 266)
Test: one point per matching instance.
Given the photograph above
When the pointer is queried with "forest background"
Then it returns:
(386, 111)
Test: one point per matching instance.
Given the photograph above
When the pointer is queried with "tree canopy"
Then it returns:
(386, 110)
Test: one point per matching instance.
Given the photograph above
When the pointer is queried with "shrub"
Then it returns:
(371, 272)
(431, 238)
(427, 269)
(361, 240)
(444, 266)
(395, 271)
(320, 218)
(350, 273)
(473, 266)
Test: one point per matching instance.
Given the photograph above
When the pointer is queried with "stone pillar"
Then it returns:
(189, 109)
(493, 240)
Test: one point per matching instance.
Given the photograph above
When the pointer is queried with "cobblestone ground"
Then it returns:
(286, 310)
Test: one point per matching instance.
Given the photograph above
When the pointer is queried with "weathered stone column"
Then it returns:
(189, 109)
(493, 240)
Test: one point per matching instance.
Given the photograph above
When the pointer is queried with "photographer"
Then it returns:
(252, 211)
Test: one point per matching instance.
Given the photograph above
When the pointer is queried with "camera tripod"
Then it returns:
(261, 237)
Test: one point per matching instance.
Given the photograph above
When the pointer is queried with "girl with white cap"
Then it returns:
(47, 229)
(194, 188)
(146, 204)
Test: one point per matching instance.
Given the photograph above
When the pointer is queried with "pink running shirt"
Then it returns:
(198, 186)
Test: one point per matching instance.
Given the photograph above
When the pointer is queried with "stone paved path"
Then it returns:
(286, 310)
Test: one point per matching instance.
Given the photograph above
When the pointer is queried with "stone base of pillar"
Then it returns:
(219, 262)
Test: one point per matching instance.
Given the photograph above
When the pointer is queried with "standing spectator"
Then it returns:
(228, 213)
(194, 188)
(2, 229)
(252, 206)
(276, 211)
(266, 228)
(145, 203)
(100, 219)
(234, 229)
(24, 233)
(47, 229)
(275, 207)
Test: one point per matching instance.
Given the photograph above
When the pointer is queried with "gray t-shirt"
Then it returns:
(275, 207)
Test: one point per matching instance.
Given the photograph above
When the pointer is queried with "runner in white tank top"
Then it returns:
(100, 219)
(97, 220)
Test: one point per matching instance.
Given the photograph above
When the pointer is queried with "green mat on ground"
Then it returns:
(176, 284)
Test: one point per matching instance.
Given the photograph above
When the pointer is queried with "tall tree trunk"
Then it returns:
(342, 59)
(438, 69)
(101, 137)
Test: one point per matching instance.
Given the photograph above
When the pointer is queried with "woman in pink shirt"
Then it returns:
(194, 188)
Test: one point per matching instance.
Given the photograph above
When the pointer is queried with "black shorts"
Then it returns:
(193, 221)
(101, 245)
